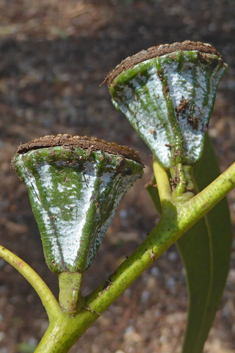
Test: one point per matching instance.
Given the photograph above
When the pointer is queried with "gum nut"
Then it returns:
(167, 93)
(75, 185)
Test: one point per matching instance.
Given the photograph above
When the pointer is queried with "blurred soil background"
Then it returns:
(53, 56)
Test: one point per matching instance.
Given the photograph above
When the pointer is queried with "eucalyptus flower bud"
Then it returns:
(75, 185)
(167, 93)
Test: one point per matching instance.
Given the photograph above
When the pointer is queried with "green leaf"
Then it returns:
(205, 250)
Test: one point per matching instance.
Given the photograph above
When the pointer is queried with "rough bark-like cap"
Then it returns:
(167, 93)
(83, 142)
(75, 185)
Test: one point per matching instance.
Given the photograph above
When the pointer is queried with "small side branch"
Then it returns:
(48, 300)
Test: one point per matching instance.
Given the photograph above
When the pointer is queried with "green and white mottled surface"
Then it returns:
(169, 101)
(74, 195)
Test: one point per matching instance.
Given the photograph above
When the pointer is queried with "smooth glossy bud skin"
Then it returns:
(168, 93)
(74, 193)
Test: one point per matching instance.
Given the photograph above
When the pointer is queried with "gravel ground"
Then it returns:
(53, 56)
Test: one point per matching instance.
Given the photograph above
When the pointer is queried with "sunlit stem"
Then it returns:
(163, 184)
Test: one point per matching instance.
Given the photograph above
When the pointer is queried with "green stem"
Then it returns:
(177, 173)
(58, 338)
(182, 182)
(70, 284)
(48, 300)
(178, 217)
(199, 205)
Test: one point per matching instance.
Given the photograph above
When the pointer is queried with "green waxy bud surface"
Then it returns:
(75, 186)
(168, 93)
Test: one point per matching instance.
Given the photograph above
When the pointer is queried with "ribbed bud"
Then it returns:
(168, 93)
(75, 185)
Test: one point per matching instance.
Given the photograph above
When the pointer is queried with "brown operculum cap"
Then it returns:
(84, 142)
(160, 50)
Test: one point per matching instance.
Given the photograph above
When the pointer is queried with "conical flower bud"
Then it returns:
(167, 93)
(75, 185)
